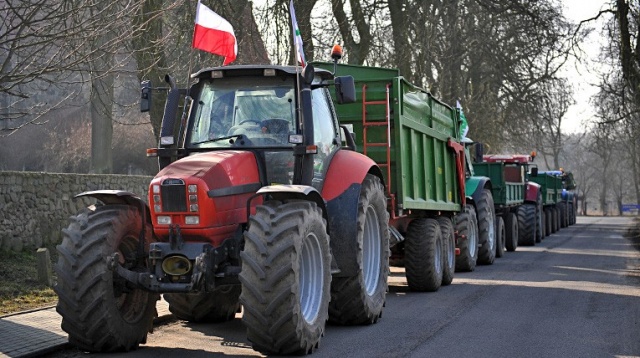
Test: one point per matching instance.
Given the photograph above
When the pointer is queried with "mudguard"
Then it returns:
(304, 192)
(119, 197)
(341, 190)
(474, 186)
(531, 192)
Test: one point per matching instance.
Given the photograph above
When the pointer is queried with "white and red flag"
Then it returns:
(214, 34)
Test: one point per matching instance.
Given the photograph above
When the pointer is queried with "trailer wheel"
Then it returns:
(572, 214)
(467, 239)
(486, 228)
(100, 311)
(548, 222)
(449, 245)
(220, 305)
(564, 218)
(360, 299)
(556, 219)
(511, 232)
(423, 252)
(286, 277)
(527, 225)
(541, 227)
(500, 235)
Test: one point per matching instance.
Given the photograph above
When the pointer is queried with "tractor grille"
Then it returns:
(174, 196)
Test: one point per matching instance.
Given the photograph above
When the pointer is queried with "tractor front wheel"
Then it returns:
(360, 299)
(527, 223)
(486, 228)
(467, 239)
(286, 277)
(100, 311)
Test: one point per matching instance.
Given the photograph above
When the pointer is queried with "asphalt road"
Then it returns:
(577, 294)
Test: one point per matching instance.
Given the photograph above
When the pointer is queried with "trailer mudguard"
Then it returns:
(341, 191)
(119, 197)
(474, 186)
(532, 192)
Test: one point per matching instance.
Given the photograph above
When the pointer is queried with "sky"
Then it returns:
(582, 76)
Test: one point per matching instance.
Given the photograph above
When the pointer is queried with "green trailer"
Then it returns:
(414, 138)
(515, 196)
(551, 188)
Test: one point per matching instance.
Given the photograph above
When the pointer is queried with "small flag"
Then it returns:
(464, 126)
(214, 34)
(297, 39)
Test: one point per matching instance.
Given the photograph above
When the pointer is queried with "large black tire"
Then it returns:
(449, 246)
(548, 222)
(541, 226)
(486, 228)
(527, 224)
(511, 232)
(286, 277)
(572, 214)
(100, 312)
(360, 299)
(556, 216)
(500, 236)
(554, 220)
(564, 217)
(220, 305)
(423, 253)
(466, 227)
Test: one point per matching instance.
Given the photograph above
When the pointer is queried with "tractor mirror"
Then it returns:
(534, 171)
(308, 73)
(145, 96)
(345, 89)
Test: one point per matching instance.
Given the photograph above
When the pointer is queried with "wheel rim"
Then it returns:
(492, 232)
(438, 257)
(132, 304)
(451, 251)
(311, 278)
(371, 251)
(472, 237)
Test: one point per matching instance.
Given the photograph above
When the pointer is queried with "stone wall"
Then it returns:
(34, 207)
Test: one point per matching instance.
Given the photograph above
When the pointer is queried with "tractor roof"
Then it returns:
(507, 158)
(256, 70)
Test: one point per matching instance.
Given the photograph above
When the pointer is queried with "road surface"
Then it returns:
(577, 294)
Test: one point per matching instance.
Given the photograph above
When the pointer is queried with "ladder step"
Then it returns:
(375, 124)
(374, 102)
(381, 144)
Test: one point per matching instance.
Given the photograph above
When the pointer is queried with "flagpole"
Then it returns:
(295, 58)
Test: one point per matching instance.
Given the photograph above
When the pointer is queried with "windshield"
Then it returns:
(244, 111)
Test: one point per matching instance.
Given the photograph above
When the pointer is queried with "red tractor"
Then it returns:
(258, 204)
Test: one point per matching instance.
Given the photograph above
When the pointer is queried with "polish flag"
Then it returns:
(214, 34)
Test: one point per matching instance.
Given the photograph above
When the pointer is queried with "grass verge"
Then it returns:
(19, 286)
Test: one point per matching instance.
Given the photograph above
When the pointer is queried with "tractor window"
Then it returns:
(325, 133)
(248, 112)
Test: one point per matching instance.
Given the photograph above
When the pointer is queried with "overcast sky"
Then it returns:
(581, 75)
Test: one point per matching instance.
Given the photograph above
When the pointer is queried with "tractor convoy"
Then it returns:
(286, 194)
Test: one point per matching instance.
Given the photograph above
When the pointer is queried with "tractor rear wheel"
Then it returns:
(423, 252)
(467, 239)
(360, 299)
(449, 245)
(486, 228)
(527, 225)
(286, 277)
(100, 311)
(500, 236)
(220, 305)
(511, 232)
